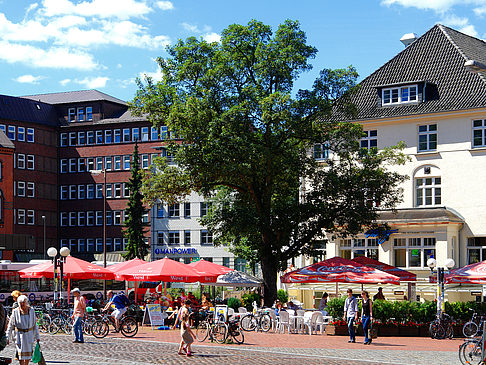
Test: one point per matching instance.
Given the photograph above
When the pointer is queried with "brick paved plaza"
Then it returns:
(160, 347)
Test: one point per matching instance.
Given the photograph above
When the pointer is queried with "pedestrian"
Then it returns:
(22, 328)
(323, 304)
(366, 316)
(182, 312)
(15, 294)
(79, 313)
(187, 336)
(351, 314)
(379, 295)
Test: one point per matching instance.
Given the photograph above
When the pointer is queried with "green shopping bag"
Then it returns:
(37, 355)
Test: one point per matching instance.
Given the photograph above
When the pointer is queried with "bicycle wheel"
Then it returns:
(202, 331)
(67, 326)
(219, 332)
(436, 330)
(237, 335)
(248, 322)
(44, 323)
(470, 329)
(471, 353)
(265, 322)
(55, 325)
(129, 327)
(100, 329)
(449, 332)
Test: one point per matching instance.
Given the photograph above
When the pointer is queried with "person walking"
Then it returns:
(187, 336)
(79, 313)
(366, 315)
(351, 314)
(22, 328)
(15, 294)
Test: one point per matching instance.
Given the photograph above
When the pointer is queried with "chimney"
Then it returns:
(408, 39)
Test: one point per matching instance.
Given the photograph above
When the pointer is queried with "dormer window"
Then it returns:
(80, 114)
(71, 115)
(399, 95)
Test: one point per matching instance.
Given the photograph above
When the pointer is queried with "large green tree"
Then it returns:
(134, 224)
(248, 139)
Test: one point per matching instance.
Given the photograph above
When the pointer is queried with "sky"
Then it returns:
(64, 45)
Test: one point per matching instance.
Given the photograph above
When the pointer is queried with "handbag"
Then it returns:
(372, 332)
(37, 356)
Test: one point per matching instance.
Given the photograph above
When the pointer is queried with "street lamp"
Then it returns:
(44, 223)
(449, 264)
(58, 261)
(97, 172)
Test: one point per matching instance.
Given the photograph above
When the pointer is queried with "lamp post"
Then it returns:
(97, 172)
(449, 264)
(58, 260)
(44, 223)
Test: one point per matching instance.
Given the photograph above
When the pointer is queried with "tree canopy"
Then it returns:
(246, 139)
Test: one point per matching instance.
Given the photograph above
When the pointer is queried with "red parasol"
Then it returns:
(209, 267)
(341, 270)
(402, 274)
(469, 274)
(73, 268)
(165, 270)
(121, 266)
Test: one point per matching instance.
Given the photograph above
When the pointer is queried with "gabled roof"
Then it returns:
(74, 97)
(25, 110)
(438, 58)
(5, 141)
(419, 215)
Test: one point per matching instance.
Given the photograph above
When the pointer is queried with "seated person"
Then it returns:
(292, 306)
(279, 308)
(206, 304)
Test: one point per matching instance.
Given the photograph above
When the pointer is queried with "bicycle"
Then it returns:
(101, 327)
(441, 327)
(43, 320)
(258, 320)
(470, 352)
(61, 321)
(471, 328)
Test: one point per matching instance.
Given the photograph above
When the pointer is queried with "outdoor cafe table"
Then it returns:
(295, 320)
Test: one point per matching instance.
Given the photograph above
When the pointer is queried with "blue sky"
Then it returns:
(63, 45)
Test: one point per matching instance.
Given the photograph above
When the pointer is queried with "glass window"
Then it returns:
(30, 162)
(479, 133)
(187, 210)
(126, 190)
(90, 161)
(71, 115)
(108, 163)
(81, 245)
(90, 245)
(135, 134)
(20, 216)
(369, 139)
(81, 138)
(109, 191)
(126, 162)
(30, 135)
(145, 161)
(81, 164)
(163, 133)
(117, 134)
(90, 218)
(30, 189)
(21, 161)
(90, 191)
(174, 238)
(174, 210)
(109, 218)
(108, 138)
(206, 237)
(321, 151)
(89, 113)
(126, 135)
(90, 137)
(99, 217)
(81, 192)
(399, 95)
(63, 140)
(204, 208)
(64, 219)
(99, 163)
(240, 264)
(80, 114)
(20, 188)
(99, 245)
(64, 166)
(11, 132)
(72, 219)
(81, 219)
(117, 217)
(160, 210)
(64, 192)
(145, 134)
(99, 191)
(117, 190)
(187, 237)
(72, 165)
(160, 238)
(21, 134)
(118, 244)
(428, 191)
(99, 137)
(427, 137)
(72, 139)
(30, 217)
(154, 133)
(73, 191)
(117, 162)
(3, 128)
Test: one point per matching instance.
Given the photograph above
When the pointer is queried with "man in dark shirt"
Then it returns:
(120, 302)
(379, 295)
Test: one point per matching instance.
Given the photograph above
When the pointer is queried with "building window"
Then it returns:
(30, 162)
(90, 191)
(126, 162)
(145, 217)
(20, 216)
(73, 191)
(428, 191)
(99, 217)
(117, 162)
(81, 245)
(89, 113)
(64, 166)
(117, 190)
(163, 133)
(240, 264)
(64, 192)
(80, 114)
(108, 163)
(21, 134)
(72, 165)
(72, 219)
(31, 189)
(108, 138)
(21, 161)
(135, 134)
(30, 135)
(11, 132)
(81, 138)
(160, 210)
(160, 238)
(81, 219)
(99, 163)
(109, 218)
(117, 217)
(476, 249)
(204, 208)
(71, 114)
(64, 219)
(369, 139)
(117, 134)
(206, 237)
(99, 137)
(174, 238)
(427, 137)
(154, 134)
(81, 164)
(109, 191)
(413, 252)
(351, 248)
(81, 192)
(109, 246)
(187, 210)
(187, 237)
(90, 218)
(90, 163)
(72, 139)
(145, 161)
(90, 137)
(399, 95)
(99, 245)
(174, 210)
(126, 135)
(63, 140)
(321, 151)
(30, 217)
(90, 244)
(479, 133)
(99, 191)
(145, 134)
(20, 188)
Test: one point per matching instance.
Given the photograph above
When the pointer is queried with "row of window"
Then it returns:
(109, 136)
(94, 218)
(399, 95)
(96, 244)
(22, 161)
(20, 134)
(24, 216)
(24, 189)
(80, 116)
(108, 163)
(176, 238)
(94, 191)
(174, 210)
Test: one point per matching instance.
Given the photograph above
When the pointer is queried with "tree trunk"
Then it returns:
(269, 271)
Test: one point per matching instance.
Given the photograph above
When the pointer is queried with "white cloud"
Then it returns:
(439, 6)
(190, 27)
(155, 76)
(212, 37)
(461, 23)
(92, 82)
(164, 5)
(121, 9)
(480, 11)
(56, 57)
(65, 82)
(28, 79)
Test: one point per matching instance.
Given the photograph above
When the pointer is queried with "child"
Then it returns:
(187, 336)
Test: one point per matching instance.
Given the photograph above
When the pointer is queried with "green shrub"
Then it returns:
(248, 300)
(383, 310)
(282, 295)
(234, 303)
(335, 307)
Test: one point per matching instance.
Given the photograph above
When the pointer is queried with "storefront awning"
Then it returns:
(419, 216)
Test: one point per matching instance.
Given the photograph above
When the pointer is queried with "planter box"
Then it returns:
(388, 331)
(409, 331)
(333, 330)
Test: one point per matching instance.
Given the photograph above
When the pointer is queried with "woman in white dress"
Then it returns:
(23, 329)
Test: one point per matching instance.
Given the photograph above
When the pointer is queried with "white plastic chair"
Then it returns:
(242, 310)
(283, 321)
(300, 312)
(231, 313)
(272, 315)
(307, 324)
(319, 321)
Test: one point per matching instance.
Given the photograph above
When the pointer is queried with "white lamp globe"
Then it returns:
(51, 252)
(431, 263)
(64, 251)
(450, 263)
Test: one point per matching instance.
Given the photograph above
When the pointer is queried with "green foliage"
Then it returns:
(382, 310)
(335, 307)
(282, 295)
(234, 303)
(248, 299)
(134, 225)
(247, 143)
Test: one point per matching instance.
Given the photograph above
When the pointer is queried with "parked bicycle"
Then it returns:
(61, 321)
(101, 327)
(256, 321)
(470, 352)
(472, 328)
(441, 327)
